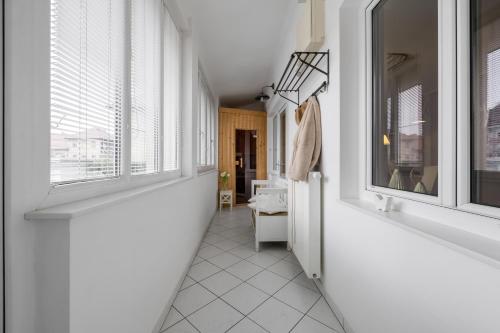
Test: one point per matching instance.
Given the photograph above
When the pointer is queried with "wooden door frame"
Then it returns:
(231, 120)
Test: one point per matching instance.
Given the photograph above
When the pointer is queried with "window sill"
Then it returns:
(202, 170)
(476, 246)
(69, 193)
(75, 209)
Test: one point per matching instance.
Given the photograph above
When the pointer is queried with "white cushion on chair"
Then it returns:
(269, 207)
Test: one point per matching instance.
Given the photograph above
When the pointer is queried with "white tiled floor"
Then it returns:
(232, 288)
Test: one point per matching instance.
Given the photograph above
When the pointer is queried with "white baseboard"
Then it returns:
(167, 307)
(342, 320)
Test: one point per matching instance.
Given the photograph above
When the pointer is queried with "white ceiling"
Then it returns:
(239, 40)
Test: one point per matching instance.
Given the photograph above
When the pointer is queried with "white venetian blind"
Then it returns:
(87, 57)
(145, 85)
(171, 89)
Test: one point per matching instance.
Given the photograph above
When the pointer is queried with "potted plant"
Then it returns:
(224, 178)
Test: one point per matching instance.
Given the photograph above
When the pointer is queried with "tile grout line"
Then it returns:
(305, 314)
(182, 316)
(221, 299)
(316, 320)
(245, 317)
(186, 275)
(262, 269)
(196, 328)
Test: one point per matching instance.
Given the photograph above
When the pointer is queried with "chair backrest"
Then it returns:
(272, 197)
(256, 183)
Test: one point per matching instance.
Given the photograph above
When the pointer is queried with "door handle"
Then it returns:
(241, 162)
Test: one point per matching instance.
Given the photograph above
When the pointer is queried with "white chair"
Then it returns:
(259, 184)
(270, 216)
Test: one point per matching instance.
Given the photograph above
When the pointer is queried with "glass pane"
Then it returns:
(145, 77)
(171, 91)
(87, 57)
(405, 95)
(485, 91)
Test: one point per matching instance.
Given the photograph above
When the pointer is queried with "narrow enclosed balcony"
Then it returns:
(304, 166)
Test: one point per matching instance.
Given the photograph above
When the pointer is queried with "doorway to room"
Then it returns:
(246, 163)
(242, 150)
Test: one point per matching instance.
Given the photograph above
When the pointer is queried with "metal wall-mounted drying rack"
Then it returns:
(299, 68)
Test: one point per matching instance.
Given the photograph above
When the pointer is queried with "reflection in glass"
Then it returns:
(405, 96)
(485, 104)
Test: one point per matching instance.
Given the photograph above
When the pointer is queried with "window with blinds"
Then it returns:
(146, 57)
(171, 101)
(95, 45)
(86, 89)
(206, 124)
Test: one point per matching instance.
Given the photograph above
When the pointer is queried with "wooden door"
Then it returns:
(231, 120)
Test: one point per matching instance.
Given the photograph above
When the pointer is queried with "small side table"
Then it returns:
(225, 197)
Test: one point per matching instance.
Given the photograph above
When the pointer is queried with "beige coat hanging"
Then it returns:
(307, 141)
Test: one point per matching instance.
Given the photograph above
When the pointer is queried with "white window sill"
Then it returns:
(75, 209)
(477, 246)
(202, 170)
(68, 193)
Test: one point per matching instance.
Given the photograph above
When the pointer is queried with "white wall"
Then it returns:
(117, 269)
(382, 277)
(126, 262)
(112, 270)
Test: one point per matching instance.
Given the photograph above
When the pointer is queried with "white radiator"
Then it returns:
(304, 223)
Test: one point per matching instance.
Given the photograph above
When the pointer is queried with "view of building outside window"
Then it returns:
(86, 89)
(485, 92)
(405, 96)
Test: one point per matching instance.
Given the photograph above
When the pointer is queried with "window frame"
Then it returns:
(275, 122)
(59, 193)
(173, 173)
(210, 117)
(446, 105)
(276, 142)
(275, 118)
(282, 135)
(454, 71)
(158, 153)
(122, 129)
(464, 109)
